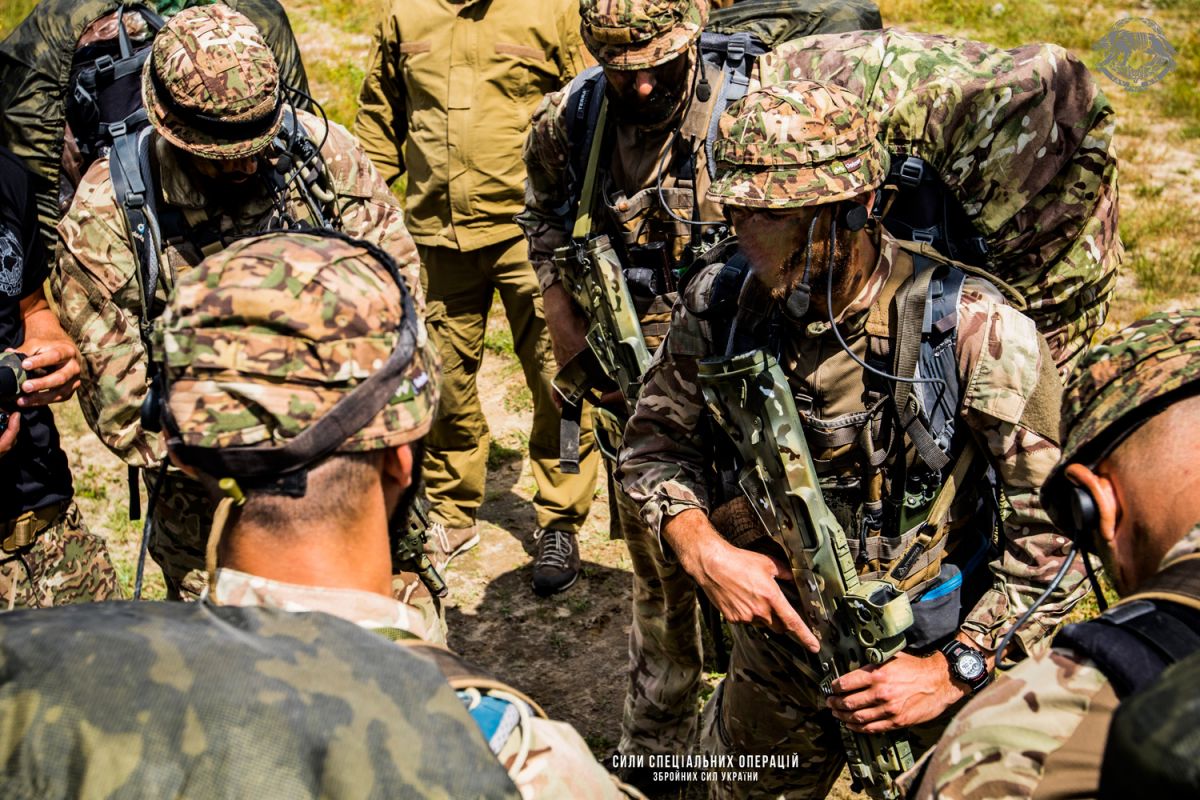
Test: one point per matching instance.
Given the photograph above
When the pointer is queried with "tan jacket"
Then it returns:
(457, 83)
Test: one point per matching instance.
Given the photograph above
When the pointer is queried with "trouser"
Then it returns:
(65, 563)
(180, 523)
(766, 706)
(665, 655)
(459, 288)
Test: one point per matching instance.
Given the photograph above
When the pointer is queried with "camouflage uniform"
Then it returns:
(1041, 730)
(806, 144)
(296, 322)
(96, 283)
(66, 563)
(664, 642)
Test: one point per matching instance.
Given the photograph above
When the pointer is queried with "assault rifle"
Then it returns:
(408, 553)
(616, 355)
(858, 622)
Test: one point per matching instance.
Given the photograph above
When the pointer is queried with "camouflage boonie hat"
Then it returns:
(796, 144)
(211, 84)
(264, 338)
(1123, 380)
(640, 34)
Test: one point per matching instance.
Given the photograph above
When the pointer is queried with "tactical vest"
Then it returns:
(887, 451)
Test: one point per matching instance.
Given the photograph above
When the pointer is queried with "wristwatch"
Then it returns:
(967, 664)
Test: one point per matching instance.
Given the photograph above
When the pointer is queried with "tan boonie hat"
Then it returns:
(640, 34)
(262, 339)
(211, 84)
(796, 144)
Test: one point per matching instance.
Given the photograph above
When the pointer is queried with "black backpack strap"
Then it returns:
(583, 108)
(134, 187)
(734, 53)
(1135, 641)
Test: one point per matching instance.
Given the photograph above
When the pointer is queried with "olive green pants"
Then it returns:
(458, 288)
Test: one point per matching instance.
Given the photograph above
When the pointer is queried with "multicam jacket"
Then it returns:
(628, 205)
(97, 289)
(1040, 731)
(454, 84)
(1009, 403)
(559, 763)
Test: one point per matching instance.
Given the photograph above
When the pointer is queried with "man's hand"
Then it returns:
(741, 583)
(59, 358)
(904, 691)
(9, 437)
(47, 347)
(568, 329)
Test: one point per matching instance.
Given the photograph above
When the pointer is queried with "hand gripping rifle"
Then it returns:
(858, 622)
(617, 354)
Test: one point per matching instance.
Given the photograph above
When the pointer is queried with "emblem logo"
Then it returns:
(1136, 54)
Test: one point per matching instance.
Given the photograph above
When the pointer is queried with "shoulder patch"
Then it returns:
(1007, 357)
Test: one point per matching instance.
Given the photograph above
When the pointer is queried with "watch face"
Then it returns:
(970, 665)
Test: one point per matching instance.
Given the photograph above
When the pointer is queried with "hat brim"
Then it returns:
(178, 133)
(830, 182)
(655, 52)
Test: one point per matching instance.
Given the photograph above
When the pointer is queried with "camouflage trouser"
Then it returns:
(181, 522)
(665, 655)
(66, 563)
(459, 289)
(766, 706)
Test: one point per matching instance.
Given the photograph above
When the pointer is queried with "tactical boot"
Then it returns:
(557, 565)
(442, 544)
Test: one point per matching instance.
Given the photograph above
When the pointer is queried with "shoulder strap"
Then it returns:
(133, 185)
(1136, 640)
(735, 54)
(584, 105)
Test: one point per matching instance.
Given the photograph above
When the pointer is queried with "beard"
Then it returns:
(791, 272)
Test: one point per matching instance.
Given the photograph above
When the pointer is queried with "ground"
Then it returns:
(569, 651)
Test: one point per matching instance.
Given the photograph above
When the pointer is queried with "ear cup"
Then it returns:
(854, 216)
(1085, 519)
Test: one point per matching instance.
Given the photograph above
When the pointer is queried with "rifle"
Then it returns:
(408, 553)
(858, 622)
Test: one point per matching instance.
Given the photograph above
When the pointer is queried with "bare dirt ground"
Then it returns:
(569, 651)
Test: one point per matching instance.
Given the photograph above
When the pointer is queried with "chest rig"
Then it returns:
(891, 456)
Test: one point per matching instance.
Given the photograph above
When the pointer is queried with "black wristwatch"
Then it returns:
(967, 664)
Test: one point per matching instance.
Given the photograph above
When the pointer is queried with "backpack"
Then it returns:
(104, 91)
(1001, 159)
(731, 41)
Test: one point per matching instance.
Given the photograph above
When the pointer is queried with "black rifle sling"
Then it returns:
(134, 187)
(913, 318)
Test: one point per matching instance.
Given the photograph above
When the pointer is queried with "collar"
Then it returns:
(854, 315)
(1187, 546)
(365, 609)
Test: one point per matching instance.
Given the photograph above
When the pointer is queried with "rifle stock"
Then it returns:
(858, 622)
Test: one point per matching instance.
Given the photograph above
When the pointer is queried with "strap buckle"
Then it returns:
(105, 65)
(911, 171)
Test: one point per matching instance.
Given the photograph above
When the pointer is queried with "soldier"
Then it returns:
(454, 84)
(297, 388)
(819, 285)
(225, 157)
(1127, 486)
(651, 67)
(39, 73)
(47, 555)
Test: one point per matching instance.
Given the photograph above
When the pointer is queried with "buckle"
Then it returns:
(735, 49)
(911, 171)
(105, 65)
(926, 235)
